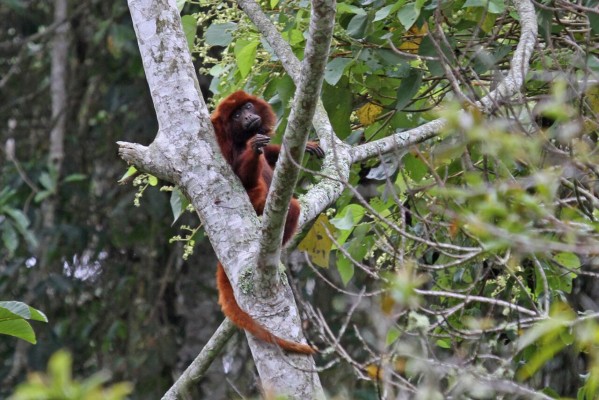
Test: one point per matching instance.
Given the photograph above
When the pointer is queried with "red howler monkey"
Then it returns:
(243, 124)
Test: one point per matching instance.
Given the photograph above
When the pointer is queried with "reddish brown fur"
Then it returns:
(255, 170)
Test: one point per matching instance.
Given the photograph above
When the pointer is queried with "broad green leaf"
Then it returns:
(75, 178)
(344, 8)
(348, 217)
(9, 237)
(245, 54)
(18, 310)
(190, 24)
(220, 34)
(18, 328)
(337, 101)
(392, 335)
(387, 10)
(408, 15)
(357, 26)
(152, 180)
(178, 203)
(181, 4)
(414, 167)
(494, 6)
(408, 88)
(14, 309)
(568, 260)
(346, 269)
(20, 219)
(39, 196)
(47, 182)
(334, 70)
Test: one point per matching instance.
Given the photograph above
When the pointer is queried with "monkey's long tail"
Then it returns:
(231, 309)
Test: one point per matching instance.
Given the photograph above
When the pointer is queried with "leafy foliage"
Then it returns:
(12, 320)
(58, 384)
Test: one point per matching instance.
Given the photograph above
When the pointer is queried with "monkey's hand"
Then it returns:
(258, 142)
(314, 149)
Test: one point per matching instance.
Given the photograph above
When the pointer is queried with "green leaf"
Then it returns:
(75, 178)
(220, 34)
(37, 315)
(20, 219)
(387, 10)
(344, 8)
(132, 170)
(10, 310)
(334, 70)
(178, 203)
(181, 4)
(13, 310)
(152, 180)
(47, 182)
(568, 260)
(408, 88)
(346, 269)
(494, 6)
(39, 196)
(245, 54)
(18, 328)
(593, 22)
(357, 26)
(190, 25)
(408, 15)
(9, 238)
(337, 101)
(392, 335)
(348, 217)
(414, 167)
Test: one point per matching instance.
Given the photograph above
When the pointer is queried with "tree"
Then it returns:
(177, 156)
(165, 155)
(448, 243)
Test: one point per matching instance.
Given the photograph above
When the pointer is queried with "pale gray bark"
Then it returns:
(299, 123)
(199, 366)
(185, 152)
(196, 166)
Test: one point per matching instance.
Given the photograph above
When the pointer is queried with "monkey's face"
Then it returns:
(245, 122)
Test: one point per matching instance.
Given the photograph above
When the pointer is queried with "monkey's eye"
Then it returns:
(248, 106)
(236, 115)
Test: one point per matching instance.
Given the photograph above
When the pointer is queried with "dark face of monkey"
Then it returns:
(245, 122)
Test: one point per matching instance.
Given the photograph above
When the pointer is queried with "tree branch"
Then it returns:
(306, 96)
(508, 87)
(199, 366)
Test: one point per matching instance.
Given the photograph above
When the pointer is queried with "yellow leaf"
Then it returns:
(387, 303)
(592, 98)
(317, 242)
(412, 38)
(368, 112)
(373, 371)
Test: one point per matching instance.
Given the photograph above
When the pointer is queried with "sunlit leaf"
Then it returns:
(334, 70)
(245, 55)
(18, 328)
(189, 23)
(345, 268)
(220, 34)
(368, 113)
(317, 242)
